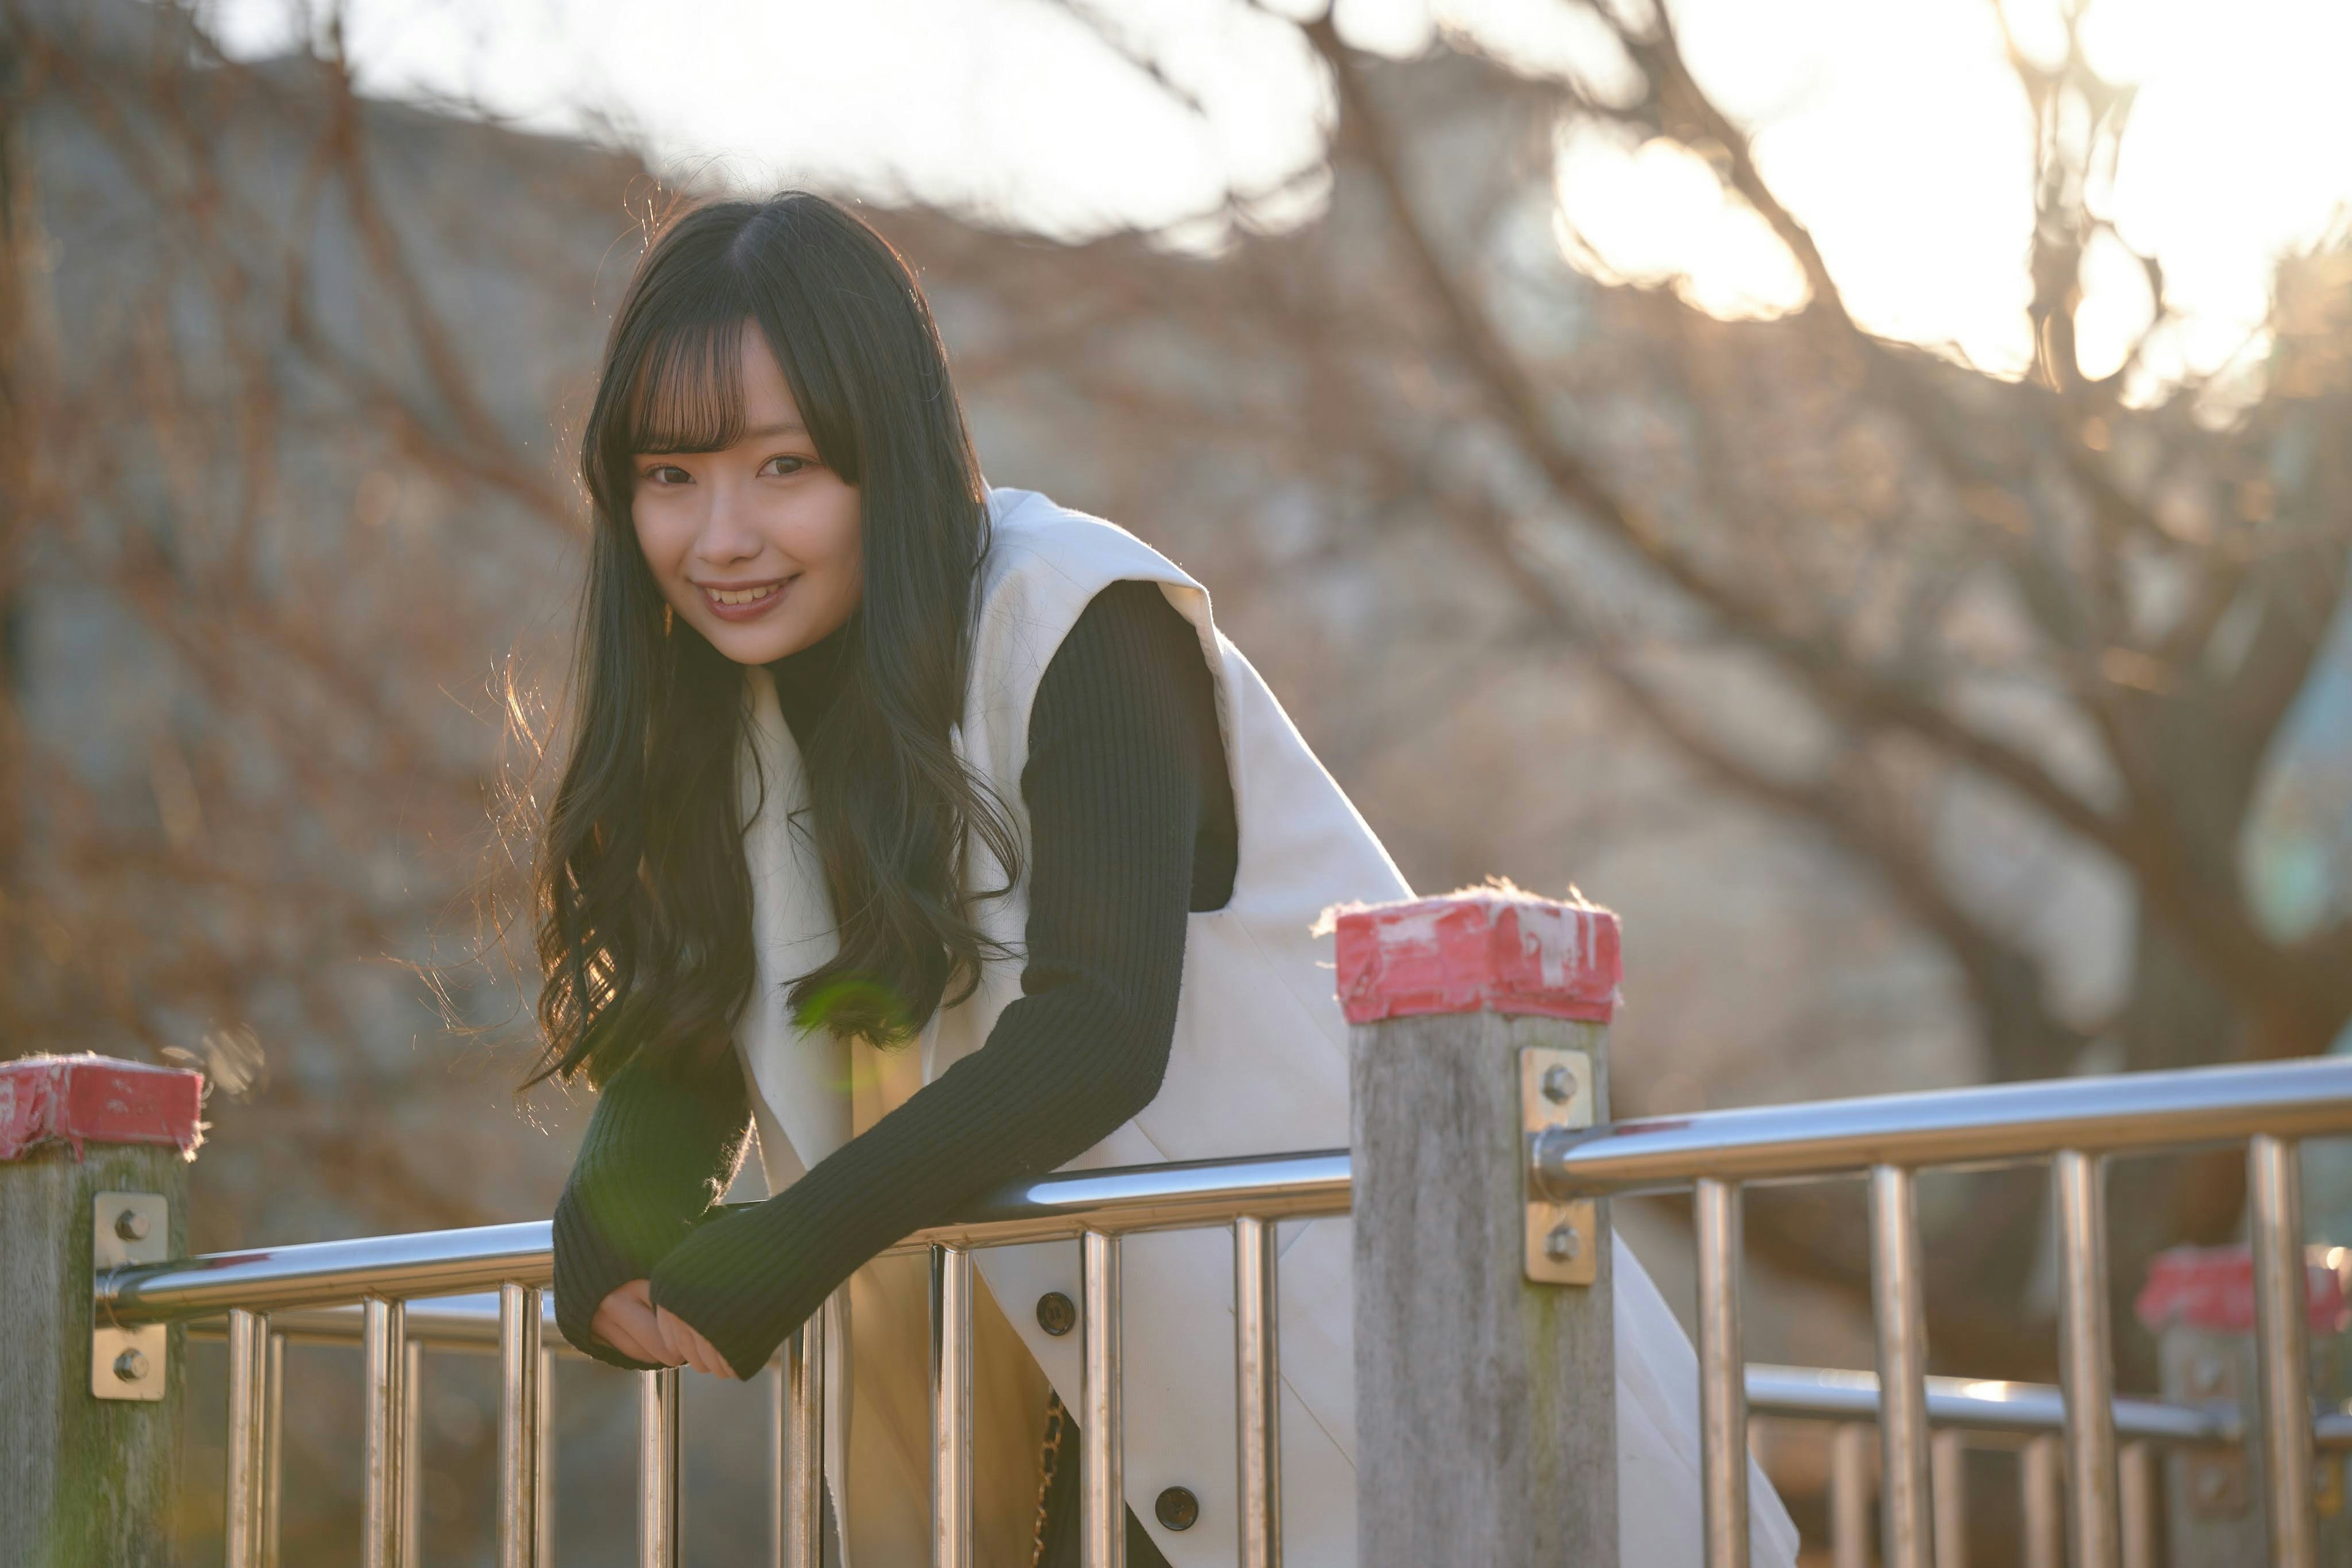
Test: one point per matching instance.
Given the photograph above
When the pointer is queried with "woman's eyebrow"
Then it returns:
(769, 432)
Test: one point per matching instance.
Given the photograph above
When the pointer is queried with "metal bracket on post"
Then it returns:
(128, 1228)
(2218, 1484)
(1556, 1091)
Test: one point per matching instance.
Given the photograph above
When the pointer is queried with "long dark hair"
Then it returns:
(644, 903)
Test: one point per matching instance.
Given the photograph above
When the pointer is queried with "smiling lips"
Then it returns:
(742, 603)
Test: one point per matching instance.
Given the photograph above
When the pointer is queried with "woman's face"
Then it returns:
(755, 547)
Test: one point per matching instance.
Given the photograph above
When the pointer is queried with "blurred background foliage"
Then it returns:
(1930, 721)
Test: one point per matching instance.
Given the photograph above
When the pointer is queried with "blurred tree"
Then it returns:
(1964, 628)
(248, 645)
(277, 371)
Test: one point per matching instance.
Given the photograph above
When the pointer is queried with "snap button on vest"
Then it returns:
(1058, 1315)
(1177, 1508)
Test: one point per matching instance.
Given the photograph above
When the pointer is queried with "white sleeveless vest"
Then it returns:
(1259, 1066)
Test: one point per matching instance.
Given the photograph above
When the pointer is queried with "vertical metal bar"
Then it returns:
(412, 1450)
(803, 1537)
(1900, 1308)
(245, 1506)
(543, 1510)
(2086, 1366)
(1947, 1458)
(1850, 1497)
(1102, 1488)
(2137, 1491)
(2043, 1496)
(384, 1333)
(1722, 1376)
(780, 1454)
(519, 1435)
(1257, 1392)
(273, 1453)
(2275, 1179)
(658, 1513)
(951, 1407)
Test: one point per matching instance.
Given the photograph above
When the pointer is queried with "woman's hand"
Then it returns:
(628, 1321)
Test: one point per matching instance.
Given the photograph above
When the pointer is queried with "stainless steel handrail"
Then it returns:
(1943, 1128)
(460, 1324)
(2074, 1124)
(2021, 1409)
(1061, 1206)
(1993, 1124)
(1125, 1201)
(470, 1324)
(322, 1273)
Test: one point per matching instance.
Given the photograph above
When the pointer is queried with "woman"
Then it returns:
(934, 830)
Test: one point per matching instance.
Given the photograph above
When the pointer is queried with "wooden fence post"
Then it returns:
(1486, 1366)
(86, 1479)
(2199, 1304)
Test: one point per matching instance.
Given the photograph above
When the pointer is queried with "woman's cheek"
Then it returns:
(660, 539)
(849, 531)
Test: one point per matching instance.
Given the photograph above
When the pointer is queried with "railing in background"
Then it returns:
(477, 1324)
(378, 1291)
(2023, 1417)
(1477, 1025)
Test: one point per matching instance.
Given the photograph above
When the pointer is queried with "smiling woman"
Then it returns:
(904, 821)
(773, 421)
(755, 543)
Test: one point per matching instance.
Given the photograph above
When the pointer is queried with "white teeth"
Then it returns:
(742, 596)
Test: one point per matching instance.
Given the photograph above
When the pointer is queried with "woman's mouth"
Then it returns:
(745, 600)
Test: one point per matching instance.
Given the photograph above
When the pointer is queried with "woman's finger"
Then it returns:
(615, 1332)
(607, 1328)
(672, 1331)
(685, 1341)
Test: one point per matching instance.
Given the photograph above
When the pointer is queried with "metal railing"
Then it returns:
(272, 1295)
(1997, 1414)
(2076, 1124)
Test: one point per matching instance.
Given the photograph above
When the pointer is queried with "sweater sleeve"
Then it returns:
(659, 1153)
(1118, 763)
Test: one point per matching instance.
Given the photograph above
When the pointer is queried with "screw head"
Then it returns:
(1559, 1085)
(130, 1225)
(2205, 1375)
(1563, 1244)
(1177, 1508)
(130, 1367)
(1056, 1313)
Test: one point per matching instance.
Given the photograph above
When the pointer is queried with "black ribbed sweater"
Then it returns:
(1131, 826)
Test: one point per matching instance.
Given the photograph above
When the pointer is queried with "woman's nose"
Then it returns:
(728, 534)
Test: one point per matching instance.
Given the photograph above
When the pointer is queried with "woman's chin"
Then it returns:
(763, 641)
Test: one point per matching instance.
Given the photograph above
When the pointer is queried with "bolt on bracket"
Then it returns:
(1563, 1238)
(128, 1228)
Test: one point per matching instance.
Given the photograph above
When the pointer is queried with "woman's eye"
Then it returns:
(668, 474)
(781, 467)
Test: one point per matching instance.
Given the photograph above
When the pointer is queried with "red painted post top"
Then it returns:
(1482, 949)
(2213, 1288)
(97, 1099)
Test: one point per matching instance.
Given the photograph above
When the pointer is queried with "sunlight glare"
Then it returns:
(1897, 135)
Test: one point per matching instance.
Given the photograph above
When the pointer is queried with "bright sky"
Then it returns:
(1895, 130)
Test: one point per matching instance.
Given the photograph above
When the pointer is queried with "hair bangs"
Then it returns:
(688, 391)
